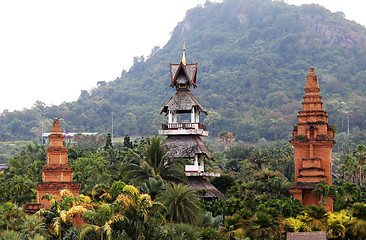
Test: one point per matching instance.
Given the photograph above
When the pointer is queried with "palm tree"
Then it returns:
(264, 226)
(97, 221)
(315, 217)
(207, 220)
(140, 212)
(226, 137)
(295, 225)
(360, 155)
(349, 168)
(153, 187)
(234, 227)
(173, 231)
(63, 209)
(258, 157)
(154, 164)
(324, 190)
(10, 211)
(337, 224)
(280, 187)
(348, 193)
(356, 227)
(181, 202)
(34, 226)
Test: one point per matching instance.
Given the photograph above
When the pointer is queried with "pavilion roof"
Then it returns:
(182, 101)
(186, 146)
(199, 184)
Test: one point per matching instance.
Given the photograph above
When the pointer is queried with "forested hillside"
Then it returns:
(253, 57)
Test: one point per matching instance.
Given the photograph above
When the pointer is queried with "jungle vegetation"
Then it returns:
(120, 198)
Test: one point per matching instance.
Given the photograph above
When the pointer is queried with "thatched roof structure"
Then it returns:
(183, 102)
(186, 146)
(199, 184)
(182, 73)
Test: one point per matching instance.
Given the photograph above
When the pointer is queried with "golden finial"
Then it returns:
(184, 54)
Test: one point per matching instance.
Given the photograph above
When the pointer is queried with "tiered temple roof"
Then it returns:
(183, 139)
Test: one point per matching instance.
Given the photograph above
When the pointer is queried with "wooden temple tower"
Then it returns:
(184, 129)
(56, 174)
(313, 142)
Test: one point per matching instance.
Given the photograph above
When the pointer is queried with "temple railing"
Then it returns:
(187, 126)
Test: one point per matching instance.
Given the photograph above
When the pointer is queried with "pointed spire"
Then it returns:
(312, 69)
(184, 54)
(56, 128)
(312, 81)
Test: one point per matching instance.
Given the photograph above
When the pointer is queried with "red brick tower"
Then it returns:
(313, 142)
(56, 174)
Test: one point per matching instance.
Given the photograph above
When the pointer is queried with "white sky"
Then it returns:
(51, 50)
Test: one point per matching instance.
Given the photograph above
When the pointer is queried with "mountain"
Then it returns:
(253, 57)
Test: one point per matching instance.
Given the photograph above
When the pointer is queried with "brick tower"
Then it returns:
(184, 129)
(313, 142)
(56, 174)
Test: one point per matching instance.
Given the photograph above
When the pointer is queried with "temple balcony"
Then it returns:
(194, 168)
(202, 174)
(183, 129)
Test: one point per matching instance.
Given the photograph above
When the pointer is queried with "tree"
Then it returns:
(315, 218)
(360, 155)
(153, 187)
(9, 212)
(348, 193)
(227, 138)
(143, 216)
(325, 191)
(34, 227)
(264, 226)
(127, 142)
(154, 163)
(223, 183)
(108, 145)
(337, 224)
(64, 209)
(181, 203)
(98, 221)
(356, 227)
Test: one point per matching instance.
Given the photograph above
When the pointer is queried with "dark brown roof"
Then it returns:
(304, 185)
(57, 167)
(306, 236)
(57, 149)
(58, 185)
(32, 208)
(181, 73)
(186, 146)
(199, 184)
(182, 101)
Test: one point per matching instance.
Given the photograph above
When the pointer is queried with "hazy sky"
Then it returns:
(51, 50)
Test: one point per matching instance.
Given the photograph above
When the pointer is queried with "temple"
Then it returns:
(184, 129)
(313, 141)
(56, 174)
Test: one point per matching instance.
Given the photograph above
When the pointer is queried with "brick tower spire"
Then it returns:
(56, 174)
(313, 142)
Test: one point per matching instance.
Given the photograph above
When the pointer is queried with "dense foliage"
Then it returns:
(253, 58)
(115, 203)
